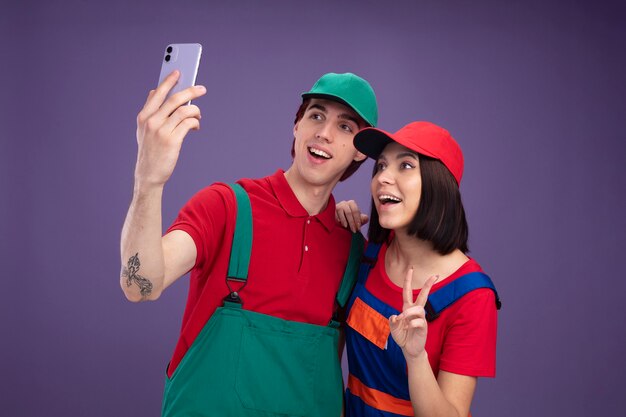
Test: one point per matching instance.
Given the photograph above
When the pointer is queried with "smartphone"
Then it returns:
(184, 57)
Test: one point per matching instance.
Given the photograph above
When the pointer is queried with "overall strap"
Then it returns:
(368, 261)
(350, 275)
(451, 292)
(357, 262)
(241, 249)
(242, 244)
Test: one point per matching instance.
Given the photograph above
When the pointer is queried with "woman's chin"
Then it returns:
(386, 224)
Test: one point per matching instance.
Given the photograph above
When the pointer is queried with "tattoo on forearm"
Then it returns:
(130, 272)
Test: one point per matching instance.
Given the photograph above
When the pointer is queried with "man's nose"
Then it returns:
(325, 132)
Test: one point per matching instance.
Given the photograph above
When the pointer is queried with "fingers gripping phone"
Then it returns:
(184, 57)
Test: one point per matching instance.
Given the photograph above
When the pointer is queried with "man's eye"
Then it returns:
(316, 116)
(346, 128)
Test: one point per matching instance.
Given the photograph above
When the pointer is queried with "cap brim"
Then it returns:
(337, 99)
(371, 141)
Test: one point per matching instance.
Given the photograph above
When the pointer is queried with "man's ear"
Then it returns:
(295, 128)
(360, 156)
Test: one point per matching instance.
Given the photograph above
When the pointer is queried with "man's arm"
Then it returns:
(151, 262)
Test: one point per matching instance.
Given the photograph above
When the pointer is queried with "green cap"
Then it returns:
(348, 89)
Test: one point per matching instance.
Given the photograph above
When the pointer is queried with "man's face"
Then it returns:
(323, 142)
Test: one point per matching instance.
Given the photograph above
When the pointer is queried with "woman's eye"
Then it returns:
(406, 165)
(380, 166)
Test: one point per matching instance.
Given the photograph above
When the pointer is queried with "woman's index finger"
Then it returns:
(408, 287)
(422, 297)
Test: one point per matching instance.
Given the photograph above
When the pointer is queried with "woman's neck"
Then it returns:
(408, 251)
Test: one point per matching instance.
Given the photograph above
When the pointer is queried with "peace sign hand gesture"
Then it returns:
(409, 329)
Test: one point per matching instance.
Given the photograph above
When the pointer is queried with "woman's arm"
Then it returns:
(451, 394)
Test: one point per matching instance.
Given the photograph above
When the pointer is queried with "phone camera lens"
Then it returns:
(169, 49)
(167, 58)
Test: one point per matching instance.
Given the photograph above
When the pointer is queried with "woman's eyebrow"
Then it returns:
(410, 154)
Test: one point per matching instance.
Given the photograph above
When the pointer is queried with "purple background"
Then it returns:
(534, 92)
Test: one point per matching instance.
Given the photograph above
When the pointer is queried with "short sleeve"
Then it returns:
(469, 347)
(204, 218)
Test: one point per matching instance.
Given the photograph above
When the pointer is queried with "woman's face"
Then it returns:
(397, 186)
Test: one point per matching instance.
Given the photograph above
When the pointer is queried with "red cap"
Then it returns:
(422, 137)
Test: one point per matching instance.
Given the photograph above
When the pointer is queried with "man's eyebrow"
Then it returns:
(344, 116)
(347, 116)
(317, 106)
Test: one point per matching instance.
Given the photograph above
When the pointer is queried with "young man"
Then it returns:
(265, 346)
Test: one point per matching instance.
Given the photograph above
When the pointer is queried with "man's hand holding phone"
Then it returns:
(161, 128)
(162, 125)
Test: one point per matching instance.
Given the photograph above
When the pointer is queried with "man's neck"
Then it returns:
(314, 198)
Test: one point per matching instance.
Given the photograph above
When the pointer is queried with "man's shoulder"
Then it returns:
(225, 187)
(254, 184)
(215, 190)
(263, 187)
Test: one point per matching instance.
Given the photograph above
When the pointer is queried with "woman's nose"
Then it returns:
(385, 177)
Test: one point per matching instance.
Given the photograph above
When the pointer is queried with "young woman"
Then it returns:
(402, 362)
